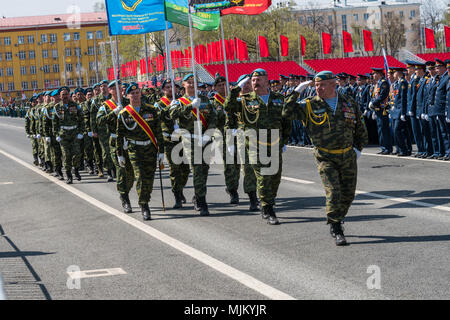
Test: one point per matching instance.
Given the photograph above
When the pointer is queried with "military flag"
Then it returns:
(429, 38)
(447, 36)
(177, 12)
(250, 7)
(368, 42)
(347, 41)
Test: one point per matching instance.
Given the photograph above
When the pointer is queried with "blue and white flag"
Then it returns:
(386, 66)
(135, 16)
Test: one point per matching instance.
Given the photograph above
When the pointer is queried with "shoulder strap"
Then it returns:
(144, 125)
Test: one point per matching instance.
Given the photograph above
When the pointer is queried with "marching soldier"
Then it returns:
(29, 129)
(68, 128)
(139, 126)
(262, 109)
(439, 109)
(179, 172)
(185, 110)
(422, 108)
(398, 111)
(87, 139)
(337, 129)
(447, 112)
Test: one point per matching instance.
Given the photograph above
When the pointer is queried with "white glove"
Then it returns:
(234, 132)
(365, 113)
(437, 118)
(358, 153)
(173, 104)
(47, 139)
(410, 113)
(370, 105)
(160, 157)
(79, 136)
(242, 83)
(58, 139)
(38, 136)
(389, 116)
(283, 150)
(427, 117)
(118, 109)
(125, 144)
(447, 120)
(231, 149)
(374, 116)
(121, 161)
(29, 136)
(205, 139)
(402, 117)
(195, 103)
(90, 134)
(422, 116)
(302, 86)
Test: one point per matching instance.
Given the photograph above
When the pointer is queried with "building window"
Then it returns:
(54, 53)
(30, 39)
(7, 41)
(57, 83)
(330, 19)
(91, 65)
(366, 16)
(11, 86)
(45, 54)
(90, 35)
(31, 54)
(389, 15)
(76, 36)
(1, 56)
(68, 52)
(69, 67)
(8, 56)
(53, 37)
(309, 20)
(2, 87)
(70, 82)
(412, 13)
(66, 36)
(99, 34)
(46, 68)
(92, 81)
(401, 14)
(34, 84)
(24, 85)
(300, 20)
(1, 72)
(90, 51)
(23, 70)
(377, 16)
(44, 38)
(32, 69)
(47, 83)
(78, 66)
(20, 39)
(355, 17)
(22, 55)
(10, 72)
(80, 82)
(77, 52)
(56, 68)
(344, 22)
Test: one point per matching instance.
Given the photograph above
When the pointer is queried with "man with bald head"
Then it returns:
(337, 130)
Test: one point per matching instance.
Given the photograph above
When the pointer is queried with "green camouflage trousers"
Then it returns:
(47, 151)
(88, 148)
(231, 170)
(199, 170)
(143, 160)
(97, 151)
(248, 172)
(34, 146)
(41, 148)
(70, 147)
(179, 173)
(106, 153)
(338, 173)
(56, 154)
(125, 176)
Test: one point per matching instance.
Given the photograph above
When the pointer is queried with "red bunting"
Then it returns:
(429, 38)
(347, 40)
(368, 42)
(303, 45)
(263, 47)
(447, 36)
(284, 43)
(326, 42)
(250, 7)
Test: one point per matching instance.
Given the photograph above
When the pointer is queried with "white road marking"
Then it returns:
(95, 273)
(5, 183)
(297, 180)
(241, 277)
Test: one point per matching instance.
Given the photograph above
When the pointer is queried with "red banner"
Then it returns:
(447, 36)
(241, 49)
(347, 40)
(303, 45)
(326, 43)
(263, 47)
(429, 38)
(368, 42)
(250, 7)
(284, 43)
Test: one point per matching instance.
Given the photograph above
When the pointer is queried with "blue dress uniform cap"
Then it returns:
(419, 65)
(379, 70)
(410, 63)
(324, 75)
(186, 77)
(219, 79)
(439, 62)
(401, 69)
(430, 63)
(362, 76)
(131, 87)
(351, 76)
(291, 76)
(309, 76)
(258, 72)
(125, 85)
(113, 83)
(282, 76)
(242, 77)
(447, 63)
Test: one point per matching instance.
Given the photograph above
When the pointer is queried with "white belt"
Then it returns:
(140, 143)
(113, 135)
(68, 128)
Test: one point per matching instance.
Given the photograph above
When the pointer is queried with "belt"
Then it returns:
(68, 128)
(335, 151)
(113, 135)
(140, 143)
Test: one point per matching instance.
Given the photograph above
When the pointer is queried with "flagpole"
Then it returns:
(146, 58)
(300, 49)
(224, 57)
(118, 59)
(279, 48)
(119, 102)
(258, 54)
(169, 61)
(194, 72)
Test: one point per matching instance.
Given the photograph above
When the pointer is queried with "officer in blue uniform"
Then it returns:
(439, 109)
(398, 112)
(378, 105)
(437, 137)
(412, 106)
(447, 112)
(422, 109)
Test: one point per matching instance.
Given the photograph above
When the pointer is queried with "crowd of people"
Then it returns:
(126, 132)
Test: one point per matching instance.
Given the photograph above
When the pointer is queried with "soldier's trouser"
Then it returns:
(88, 148)
(56, 154)
(445, 134)
(47, 151)
(436, 137)
(97, 152)
(267, 184)
(400, 128)
(249, 181)
(143, 160)
(338, 173)
(34, 146)
(427, 143)
(70, 147)
(179, 173)
(41, 150)
(199, 167)
(231, 170)
(417, 133)
(106, 153)
(384, 133)
(125, 176)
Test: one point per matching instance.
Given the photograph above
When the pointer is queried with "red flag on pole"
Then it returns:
(242, 52)
(447, 36)
(429, 38)
(263, 47)
(368, 42)
(250, 7)
(326, 43)
(303, 45)
(348, 43)
(284, 43)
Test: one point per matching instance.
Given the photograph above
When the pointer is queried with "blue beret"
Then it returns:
(131, 87)
(88, 90)
(54, 93)
(47, 93)
(103, 82)
(242, 77)
(113, 83)
(188, 76)
(63, 88)
(324, 75)
(166, 82)
(96, 85)
(439, 62)
(258, 72)
(78, 90)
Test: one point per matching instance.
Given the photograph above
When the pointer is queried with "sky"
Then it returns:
(22, 8)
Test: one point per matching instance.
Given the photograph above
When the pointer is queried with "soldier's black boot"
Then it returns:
(46, 168)
(234, 197)
(265, 212)
(178, 201)
(36, 161)
(203, 206)
(337, 232)
(77, 174)
(254, 204)
(126, 205)
(50, 167)
(146, 212)
(272, 220)
(113, 172)
(69, 177)
(183, 199)
(59, 174)
(91, 167)
(110, 177)
(196, 203)
(100, 172)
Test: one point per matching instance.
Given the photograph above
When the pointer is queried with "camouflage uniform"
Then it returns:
(55, 148)
(102, 131)
(29, 129)
(334, 135)
(179, 173)
(142, 152)
(38, 129)
(87, 141)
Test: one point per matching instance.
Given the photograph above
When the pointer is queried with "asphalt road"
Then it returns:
(398, 229)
